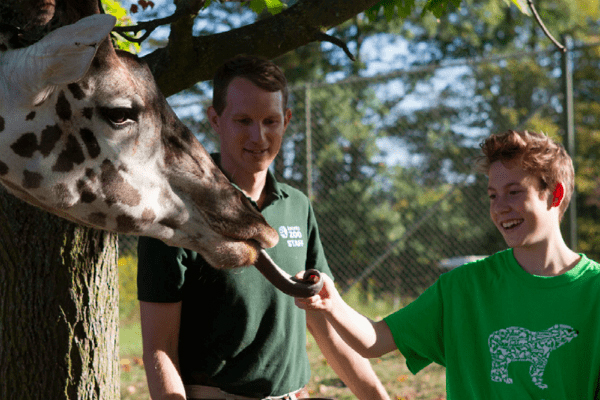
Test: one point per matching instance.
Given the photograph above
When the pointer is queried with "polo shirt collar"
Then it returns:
(275, 191)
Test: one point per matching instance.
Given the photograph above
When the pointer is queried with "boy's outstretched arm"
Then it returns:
(368, 338)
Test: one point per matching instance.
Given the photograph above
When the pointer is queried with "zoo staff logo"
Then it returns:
(293, 234)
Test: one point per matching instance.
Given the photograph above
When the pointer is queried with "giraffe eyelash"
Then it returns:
(119, 117)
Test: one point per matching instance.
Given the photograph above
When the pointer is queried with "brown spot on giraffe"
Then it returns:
(91, 174)
(87, 195)
(148, 216)
(63, 107)
(26, 145)
(116, 189)
(3, 169)
(31, 180)
(1, 124)
(97, 218)
(126, 223)
(90, 142)
(71, 155)
(76, 91)
(88, 112)
(62, 195)
(50, 135)
(30, 116)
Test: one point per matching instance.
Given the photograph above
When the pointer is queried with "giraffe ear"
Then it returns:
(63, 56)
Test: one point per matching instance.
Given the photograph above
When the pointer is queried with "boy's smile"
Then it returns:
(519, 210)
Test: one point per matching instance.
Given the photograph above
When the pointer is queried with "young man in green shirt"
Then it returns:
(523, 323)
(229, 334)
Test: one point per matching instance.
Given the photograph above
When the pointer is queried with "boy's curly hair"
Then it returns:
(538, 154)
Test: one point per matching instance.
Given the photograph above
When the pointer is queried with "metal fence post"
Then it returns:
(569, 129)
(308, 130)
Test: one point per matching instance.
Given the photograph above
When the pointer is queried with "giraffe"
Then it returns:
(86, 134)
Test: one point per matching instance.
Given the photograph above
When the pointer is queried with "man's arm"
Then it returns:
(354, 370)
(160, 337)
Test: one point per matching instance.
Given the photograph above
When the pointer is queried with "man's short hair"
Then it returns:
(538, 155)
(263, 73)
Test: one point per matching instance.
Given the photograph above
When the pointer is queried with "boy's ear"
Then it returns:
(558, 194)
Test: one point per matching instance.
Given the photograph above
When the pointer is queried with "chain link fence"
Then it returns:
(389, 161)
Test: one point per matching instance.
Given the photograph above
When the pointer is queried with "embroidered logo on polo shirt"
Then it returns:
(293, 234)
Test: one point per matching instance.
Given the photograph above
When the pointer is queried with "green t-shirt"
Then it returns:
(503, 333)
(238, 332)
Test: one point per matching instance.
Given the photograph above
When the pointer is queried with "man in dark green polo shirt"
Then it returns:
(229, 334)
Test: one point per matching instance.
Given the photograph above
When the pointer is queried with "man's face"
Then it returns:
(519, 210)
(250, 128)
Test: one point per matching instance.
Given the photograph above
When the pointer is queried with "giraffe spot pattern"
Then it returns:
(63, 107)
(71, 155)
(62, 195)
(30, 116)
(1, 124)
(97, 219)
(116, 189)
(169, 223)
(76, 91)
(3, 169)
(90, 142)
(88, 112)
(87, 195)
(50, 136)
(126, 223)
(148, 216)
(90, 174)
(31, 180)
(25, 145)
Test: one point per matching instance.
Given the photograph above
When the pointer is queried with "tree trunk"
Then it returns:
(58, 307)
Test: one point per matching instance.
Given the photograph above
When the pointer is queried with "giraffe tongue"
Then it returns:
(309, 286)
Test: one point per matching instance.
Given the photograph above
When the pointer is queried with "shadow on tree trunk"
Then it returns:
(58, 307)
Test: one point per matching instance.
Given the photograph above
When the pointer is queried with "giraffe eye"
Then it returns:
(119, 117)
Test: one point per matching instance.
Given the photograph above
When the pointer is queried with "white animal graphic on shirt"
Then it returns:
(520, 344)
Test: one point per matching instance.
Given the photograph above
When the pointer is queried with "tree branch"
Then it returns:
(147, 26)
(184, 8)
(544, 29)
(189, 60)
(323, 37)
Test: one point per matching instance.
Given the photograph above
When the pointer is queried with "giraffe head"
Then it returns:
(86, 134)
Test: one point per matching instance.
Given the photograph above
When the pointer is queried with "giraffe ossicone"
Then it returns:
(86, 134)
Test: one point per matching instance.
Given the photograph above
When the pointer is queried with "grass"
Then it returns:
(428, 384)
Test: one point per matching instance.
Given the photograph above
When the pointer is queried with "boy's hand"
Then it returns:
(322, 301)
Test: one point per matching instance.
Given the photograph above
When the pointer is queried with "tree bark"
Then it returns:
(58, 307)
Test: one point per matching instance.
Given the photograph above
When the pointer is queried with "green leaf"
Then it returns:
(521, 5)
(439, 8)
(114, 8)
(273, 6)
(257, 6)
(390, 8)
